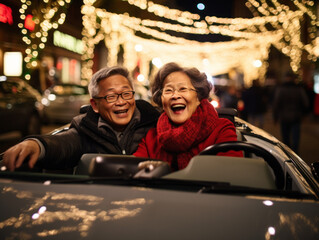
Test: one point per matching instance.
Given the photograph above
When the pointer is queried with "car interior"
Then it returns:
(258, 169)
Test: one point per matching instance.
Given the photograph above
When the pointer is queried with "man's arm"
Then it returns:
(62, 151)
(15, 156)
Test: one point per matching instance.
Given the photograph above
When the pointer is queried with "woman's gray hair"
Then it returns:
(198, 80)
(105, 73)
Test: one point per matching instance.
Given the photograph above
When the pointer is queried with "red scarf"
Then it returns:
(180, 141)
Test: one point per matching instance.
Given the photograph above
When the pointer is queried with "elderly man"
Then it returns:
(114, 124)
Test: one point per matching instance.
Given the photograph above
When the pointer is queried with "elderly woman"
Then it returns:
(189, 122)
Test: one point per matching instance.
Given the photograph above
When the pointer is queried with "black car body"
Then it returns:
(20, 107)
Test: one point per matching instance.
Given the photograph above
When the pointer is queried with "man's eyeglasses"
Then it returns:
(168, 92)
(110, 98)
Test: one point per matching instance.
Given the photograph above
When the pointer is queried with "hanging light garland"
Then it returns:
(274, 13)
(46, 15)
(274, 24)
(120, 30)
(165, 12)
(291, 44)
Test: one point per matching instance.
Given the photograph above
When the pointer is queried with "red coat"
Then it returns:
(223, 132)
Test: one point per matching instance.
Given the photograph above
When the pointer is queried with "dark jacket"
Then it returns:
(65, 149)
(290, 103)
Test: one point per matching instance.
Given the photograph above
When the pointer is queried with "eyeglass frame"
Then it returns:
(177, 90)
(118, 95)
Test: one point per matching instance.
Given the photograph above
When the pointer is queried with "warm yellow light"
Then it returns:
(12, 63)
(140, 78)
(157, 62)
(257, 63)
(138, 48)
(274, 25)
(34, 64)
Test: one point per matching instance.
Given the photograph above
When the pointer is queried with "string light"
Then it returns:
(163, 11)
(45, 16)
(274, 24)
(290, 22)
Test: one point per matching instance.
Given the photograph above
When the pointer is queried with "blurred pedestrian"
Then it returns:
(255, 104)
(229, 98)
(309, 89)
(290, 104)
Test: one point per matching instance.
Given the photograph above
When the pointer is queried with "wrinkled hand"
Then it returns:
(14, 156)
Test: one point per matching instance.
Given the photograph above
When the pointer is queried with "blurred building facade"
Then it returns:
(60, 58)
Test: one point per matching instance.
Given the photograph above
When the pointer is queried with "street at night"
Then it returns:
(162, 119)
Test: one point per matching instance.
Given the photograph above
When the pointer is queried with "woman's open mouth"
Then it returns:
(177, 108)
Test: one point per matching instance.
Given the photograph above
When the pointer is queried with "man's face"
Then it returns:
(119, 113)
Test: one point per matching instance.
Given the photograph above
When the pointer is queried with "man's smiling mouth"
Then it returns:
(121, 111)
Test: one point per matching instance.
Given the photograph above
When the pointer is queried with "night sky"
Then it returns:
(218, 8)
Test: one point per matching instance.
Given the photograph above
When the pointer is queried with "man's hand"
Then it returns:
(14, 156)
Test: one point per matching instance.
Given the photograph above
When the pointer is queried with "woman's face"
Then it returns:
(179, 97)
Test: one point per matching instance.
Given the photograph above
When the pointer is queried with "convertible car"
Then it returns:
(270, 193)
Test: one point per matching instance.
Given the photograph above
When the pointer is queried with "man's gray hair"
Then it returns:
(105, 73)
